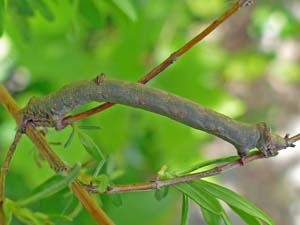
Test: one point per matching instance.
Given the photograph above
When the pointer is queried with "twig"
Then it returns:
(54, 161)
(157, 183)
(6, 164)
(167, 62)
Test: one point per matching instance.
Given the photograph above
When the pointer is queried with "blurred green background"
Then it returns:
(247, 69)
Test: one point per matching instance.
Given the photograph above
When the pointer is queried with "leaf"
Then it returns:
(89, 127)
(184, 210)
(2, 12)
(70, 139)
(99, 167)
(245, 216)
(207, 163)
(21, 7)
(201, 197)
(51, 187)
(210, 218)
(43, 8)
(7, 210)
(90, 146)
(226, 218)
(233, 199)
(161, 193)
(90, 13)
(125, 7)
(103, 182)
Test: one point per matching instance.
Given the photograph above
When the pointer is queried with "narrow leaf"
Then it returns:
(89, 127)
(184, 210)
(43, 8)
(125, 7)
(251, 220)
(103, 182)
(51, 187)
(234, 199)
(161, 193)
(210, 218)
(90, 146)
(2, 12)
(70, 139)
(226, 218)
(201, 197)
(99, 167)
(7, 210)
(202, 164)
(90, 13)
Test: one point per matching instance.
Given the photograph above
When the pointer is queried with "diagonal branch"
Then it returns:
(167, 62)
(54, 161)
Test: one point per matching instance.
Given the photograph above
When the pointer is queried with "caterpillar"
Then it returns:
(50, 110)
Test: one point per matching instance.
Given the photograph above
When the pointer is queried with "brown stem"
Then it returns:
(165, 64)
(54, 161)
(157, 183)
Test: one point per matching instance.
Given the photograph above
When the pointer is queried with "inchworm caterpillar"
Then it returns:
(50, 111)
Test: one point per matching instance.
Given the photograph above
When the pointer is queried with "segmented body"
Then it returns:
(50, 110)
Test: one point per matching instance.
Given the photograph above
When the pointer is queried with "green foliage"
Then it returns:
(184, 210)
(90, 146)
(62, 41)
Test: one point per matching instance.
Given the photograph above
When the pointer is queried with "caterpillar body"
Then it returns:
(50, 110)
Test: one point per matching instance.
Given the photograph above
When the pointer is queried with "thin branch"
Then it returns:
(167, 62)
(157, 183)
(54, 161)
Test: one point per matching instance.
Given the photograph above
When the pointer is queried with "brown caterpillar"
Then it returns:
(51, 109)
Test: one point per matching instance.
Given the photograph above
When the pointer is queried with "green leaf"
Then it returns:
(8, 206)
(184, 210)
(210, 218)
(201, 197)
(99, 167)
(21, 7)
(88, 9)
(161, 193)
(89, 127)
(207, 163)
(125, 7)
(226, 218)
(70, 139)
(102, 181)
(90, 146)
(233, 199)
(251, 220)
(43, 9)
(2, 11)
(51, 186)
